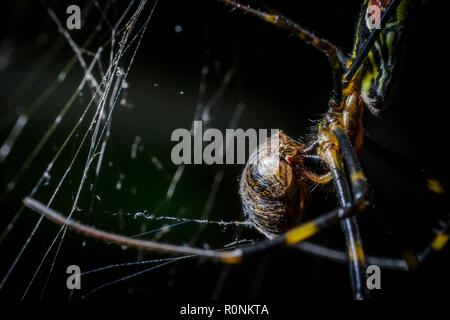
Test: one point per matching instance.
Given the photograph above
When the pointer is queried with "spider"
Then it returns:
(274, 196)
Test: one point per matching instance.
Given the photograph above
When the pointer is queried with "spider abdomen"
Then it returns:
(271, 188)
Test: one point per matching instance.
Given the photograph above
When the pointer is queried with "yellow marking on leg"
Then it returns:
(435, 186)
(358, 255)
(301, 233)
(272, 18)
(352, 87)
(439, 241)
(357, 175)
(301, 35)
(315, 41)
(231, 258)
(411, 259)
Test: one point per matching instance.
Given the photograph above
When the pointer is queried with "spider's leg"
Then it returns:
(335, 56)
(293, 236)
(359, 189)
(410, 259)
(313, 161)
(430, 183)
(349, 225)
(320, 179)
(342, 256)
(437, 244)
(357, 177)
(439, 241)
(124, 240)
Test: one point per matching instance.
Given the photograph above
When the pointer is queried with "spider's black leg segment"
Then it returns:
(358, 185)
(304, 230)
(329, 151)
(362, 53)
(359, 188)
(351, 230)
(314, 161)
(439, 241)
(336, 58)
(437, 244)
(342, 256)
(320, 179)
(127, 241)
(357, 177)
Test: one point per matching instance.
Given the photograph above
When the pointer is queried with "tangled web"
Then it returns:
(84, 134)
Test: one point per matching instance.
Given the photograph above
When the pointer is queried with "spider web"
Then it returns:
(66, 148)
(85, 128)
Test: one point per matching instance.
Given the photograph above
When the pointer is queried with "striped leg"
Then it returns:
(437, 244)
(329, 150)
(410, 260)
(428, 182)
(350, 229)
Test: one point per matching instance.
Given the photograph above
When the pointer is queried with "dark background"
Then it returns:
(283, 84)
